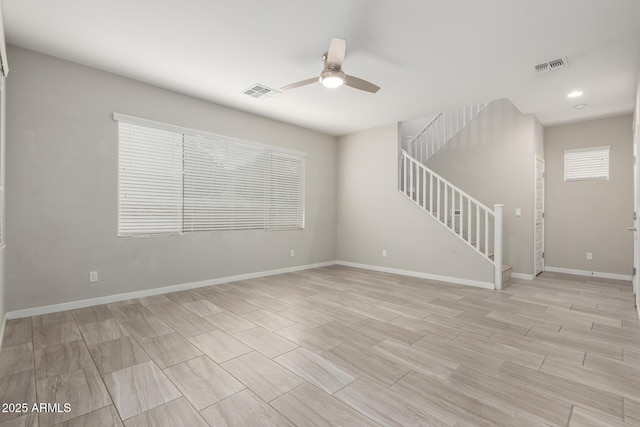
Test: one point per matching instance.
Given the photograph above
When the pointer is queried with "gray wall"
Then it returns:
(492, 159)
(62, 189)
(590, 216)
(373, 215)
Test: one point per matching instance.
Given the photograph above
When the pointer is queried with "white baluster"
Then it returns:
(478, 226)
(486, 233)
(404, 170)
(469, 220)
(411, 180)
(461, 218)
(431, 193)
(497, 246)
(438, 207)
(446, 205)
(424, 188)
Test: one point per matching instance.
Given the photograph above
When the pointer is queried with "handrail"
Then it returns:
(424, 129)
(415, 177)
(457, 189)
(441, 129)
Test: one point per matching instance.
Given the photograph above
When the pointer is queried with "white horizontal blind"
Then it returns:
(224, 185)
(586, 163)
(150, 180)
(172, 181)
(286, 191)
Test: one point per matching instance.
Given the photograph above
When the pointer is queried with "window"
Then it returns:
(586, 163)
(177, 180)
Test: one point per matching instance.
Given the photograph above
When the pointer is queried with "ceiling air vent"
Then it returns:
(259, 91)
(553, 65)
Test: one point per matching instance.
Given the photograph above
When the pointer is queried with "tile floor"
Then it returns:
(335, 346)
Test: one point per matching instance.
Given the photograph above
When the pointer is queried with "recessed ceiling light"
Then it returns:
(580, 106)
(575, 94)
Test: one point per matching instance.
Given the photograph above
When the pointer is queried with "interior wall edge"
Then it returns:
(421, 275)
(72, 305)
(597, 274)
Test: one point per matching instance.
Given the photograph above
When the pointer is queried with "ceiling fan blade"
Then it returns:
(337, 50)
(300, 83)
(361, 84)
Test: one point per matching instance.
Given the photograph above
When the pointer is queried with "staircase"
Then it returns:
(479, 226)
(440, 130)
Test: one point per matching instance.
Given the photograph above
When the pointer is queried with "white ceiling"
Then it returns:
(427, 55)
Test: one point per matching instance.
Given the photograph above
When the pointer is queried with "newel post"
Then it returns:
(497, 246)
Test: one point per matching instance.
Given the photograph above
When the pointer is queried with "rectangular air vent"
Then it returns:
(553, 65)
(259, 91)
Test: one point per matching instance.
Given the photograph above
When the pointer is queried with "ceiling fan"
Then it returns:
(332, 75)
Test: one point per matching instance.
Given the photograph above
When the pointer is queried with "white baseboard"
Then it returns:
(588, 273)
(448, 279)
(523, 276)
(72, 305)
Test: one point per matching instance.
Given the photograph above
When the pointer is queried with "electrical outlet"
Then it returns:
(518, 212)
(384, 252)
(93, 276)
(589, 255)
(293, 252)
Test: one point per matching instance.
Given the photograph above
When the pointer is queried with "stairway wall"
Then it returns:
(373, 215)
(492, 159)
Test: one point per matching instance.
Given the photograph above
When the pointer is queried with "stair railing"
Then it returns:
(440, 130)
(474, 223)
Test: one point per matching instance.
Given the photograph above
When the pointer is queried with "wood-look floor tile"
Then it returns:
(104, 417)
(264, 377)
(364, 362)
(421, 359)
(127, 310)
(244, 409)
(315, 369)
(61, 358)
(345, 332)
(57, 317)
(314, 339)
(563, 389)
(28, 420)
(307, 405)
(117, 354)
(593, 378)
(581, 417)
(500, 351)
(17, 333)
(177, 413)
(219, 346)
(97, 313)
(188, 324)
(17, 388)
(202, 307)
(230, 323)
(265, 342)
(170, 349)
(16, 358)
(82, 389)
(373, 312)
(147, 327)
(105, 330)
(269, 303)
(388, 407)
(139, 388)
(153, 299)
(203, 382)
(492, 390)
(533, 345)
(448, 402)
(52, 333)
(181, 297)
(267, 319)
(383, 330)
(632, 411)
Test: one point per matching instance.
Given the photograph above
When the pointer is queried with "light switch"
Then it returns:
(518, 212)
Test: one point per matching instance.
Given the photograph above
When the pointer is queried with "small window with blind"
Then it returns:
(583, 164)
(178, 180)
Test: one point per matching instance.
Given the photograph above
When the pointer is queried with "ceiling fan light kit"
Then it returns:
(332, 75)
(332, 79)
